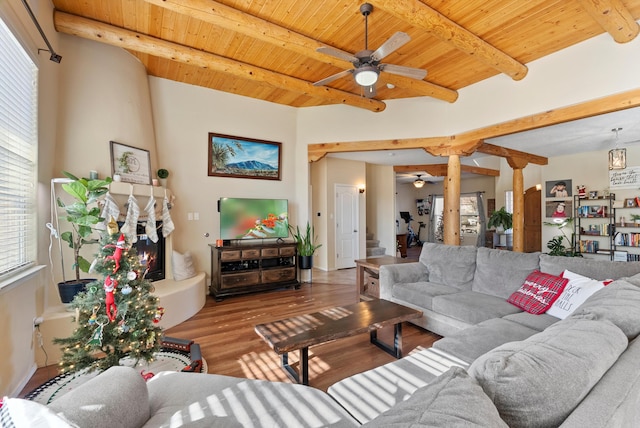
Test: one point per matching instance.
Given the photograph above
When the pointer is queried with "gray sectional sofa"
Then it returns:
(496, 366)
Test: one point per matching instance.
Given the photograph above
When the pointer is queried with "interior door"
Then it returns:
(532, 220)
(347, 235)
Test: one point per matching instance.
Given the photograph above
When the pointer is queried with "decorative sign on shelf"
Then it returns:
(628, 178)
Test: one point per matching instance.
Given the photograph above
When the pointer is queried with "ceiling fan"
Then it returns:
(367, 65)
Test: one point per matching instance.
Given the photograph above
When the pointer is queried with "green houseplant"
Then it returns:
(82, 214)
(306, 243)
(163, 174)
(500, 219)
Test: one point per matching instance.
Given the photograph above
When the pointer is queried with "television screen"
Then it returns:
(253, 218)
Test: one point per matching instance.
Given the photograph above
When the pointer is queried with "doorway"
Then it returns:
(347, 231)
(532, 220)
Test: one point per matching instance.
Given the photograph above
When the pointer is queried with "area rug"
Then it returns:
(173, 356)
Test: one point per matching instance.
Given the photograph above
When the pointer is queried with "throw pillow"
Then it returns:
(16, 412)
(452, 399)
(574, 294)
(538, 292)
(539, 381)
(182, 266)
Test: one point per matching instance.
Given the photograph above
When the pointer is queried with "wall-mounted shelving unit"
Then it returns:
(594, 226)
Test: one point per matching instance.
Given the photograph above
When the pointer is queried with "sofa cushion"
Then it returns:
(17, 412)
(453, 399)
(538, 292)
(596, 269)
(536, 322)
(479, 339)
(539, 381)
(574, 294)
(472, 307)
(196, 399)
(421, 293)
(116, 397)
(618, 302)
(500, 272)
(451, 265)
(368, 394)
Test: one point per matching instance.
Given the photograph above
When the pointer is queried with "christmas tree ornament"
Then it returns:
(167, 222)
(94, 315)
(150, 226)
(109, 301)
(117, 253)
(96, 337)
(158, 315)
(130, 226)
(126, 289)
(131, 275)
(112, 226)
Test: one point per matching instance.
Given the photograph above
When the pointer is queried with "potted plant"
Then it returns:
(556, 244)
(306, 243)
(83, 214)
(501, 220)
(162, 176)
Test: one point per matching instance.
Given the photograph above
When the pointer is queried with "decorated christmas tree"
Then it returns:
(116, 315)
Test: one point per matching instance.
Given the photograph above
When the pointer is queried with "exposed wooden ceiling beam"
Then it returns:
(440, 170)
(232, 19)
(494, 150)
(613, 17)
(115, 36)
(422, 16)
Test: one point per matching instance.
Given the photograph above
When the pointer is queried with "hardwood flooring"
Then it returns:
(225, 332)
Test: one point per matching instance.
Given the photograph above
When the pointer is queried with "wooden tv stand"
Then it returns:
(247, 268)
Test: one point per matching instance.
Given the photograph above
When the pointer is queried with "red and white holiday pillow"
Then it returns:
(538, 292)
(579, 289)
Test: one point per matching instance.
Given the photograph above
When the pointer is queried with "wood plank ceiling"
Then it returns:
(266, 49)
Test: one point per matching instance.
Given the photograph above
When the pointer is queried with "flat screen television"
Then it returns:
(244, 218)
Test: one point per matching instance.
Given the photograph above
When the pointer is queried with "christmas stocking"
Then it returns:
(167, 223)
(110, 209)
(131, 222)
(150, 228)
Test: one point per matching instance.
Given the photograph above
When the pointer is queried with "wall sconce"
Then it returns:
(360, 188)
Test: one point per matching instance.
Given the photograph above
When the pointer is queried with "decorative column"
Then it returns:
(452, 202)
(518, 164)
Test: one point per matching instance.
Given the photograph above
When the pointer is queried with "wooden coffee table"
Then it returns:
(300, 332)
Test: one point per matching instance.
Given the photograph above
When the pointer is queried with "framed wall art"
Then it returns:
(240, 157)
(558, 188)
(132, 164)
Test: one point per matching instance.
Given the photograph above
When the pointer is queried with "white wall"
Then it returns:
(380, 196)
(184, 115)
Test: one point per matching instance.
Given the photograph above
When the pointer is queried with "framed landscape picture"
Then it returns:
(240, 157)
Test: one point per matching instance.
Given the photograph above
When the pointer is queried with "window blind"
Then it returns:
(18, 151)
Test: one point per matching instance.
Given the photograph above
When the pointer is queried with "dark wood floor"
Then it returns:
(225, 332)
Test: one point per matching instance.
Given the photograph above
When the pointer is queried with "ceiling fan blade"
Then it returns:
(394, 42)
(369, 91)
(337, 53)
(332, 78)
(414, 73)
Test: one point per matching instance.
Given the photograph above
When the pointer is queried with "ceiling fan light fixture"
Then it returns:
(366, 75)
(419, 182)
